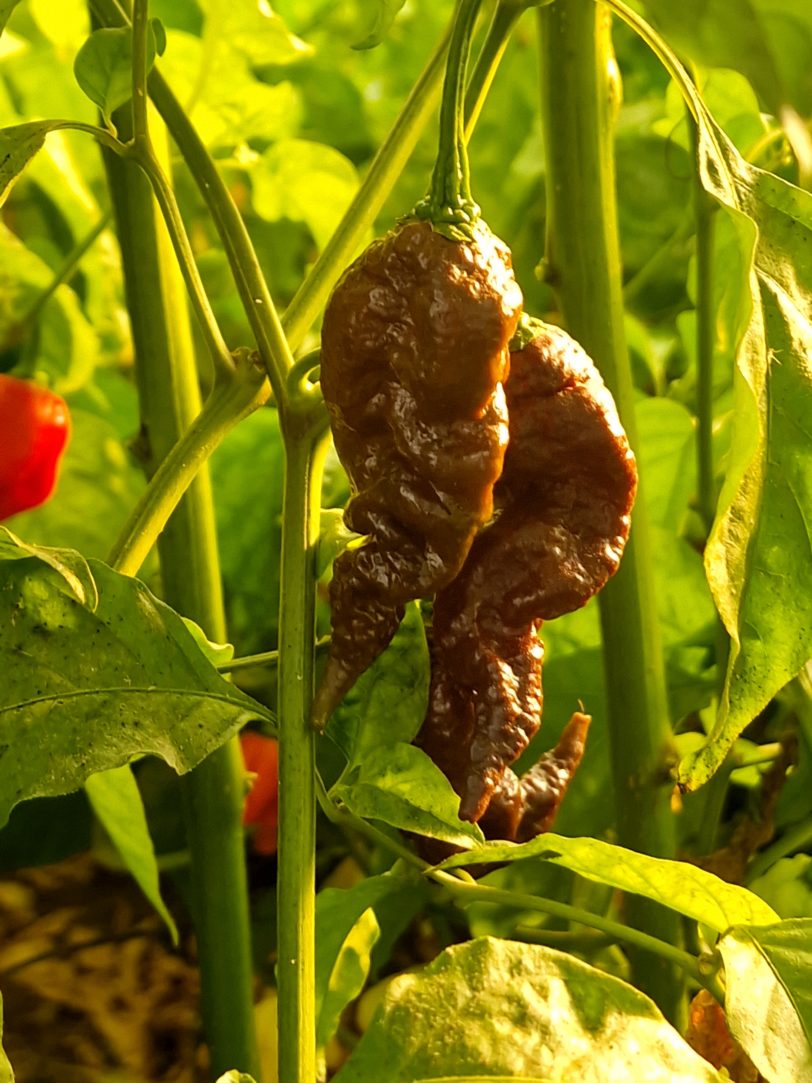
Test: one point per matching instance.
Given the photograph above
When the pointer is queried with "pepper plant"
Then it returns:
(195, 166)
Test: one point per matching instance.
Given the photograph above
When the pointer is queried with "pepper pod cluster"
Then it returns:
(562, 515)
(496, 482)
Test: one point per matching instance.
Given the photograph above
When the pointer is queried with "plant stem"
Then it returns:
(212, 794)
(584, 261)
(144, 154)
(222, 410)
(264, 658)
(305, 448)
(449, 201)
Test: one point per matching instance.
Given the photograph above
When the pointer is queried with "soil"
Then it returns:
(93, 989)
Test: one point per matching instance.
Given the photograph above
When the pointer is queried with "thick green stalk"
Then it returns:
(584, 266)
(305, 448)
(449, 201)
(213, 794)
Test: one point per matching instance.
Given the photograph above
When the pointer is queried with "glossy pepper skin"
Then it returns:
(261, 812)
(563, 506)
(414, 352)
(34, 431)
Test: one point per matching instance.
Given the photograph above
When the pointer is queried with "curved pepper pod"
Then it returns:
(563, 512)
(414, 352)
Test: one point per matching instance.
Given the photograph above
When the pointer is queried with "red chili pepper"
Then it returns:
(261, 755)
(34, 430)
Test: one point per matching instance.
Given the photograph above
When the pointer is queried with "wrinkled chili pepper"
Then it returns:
(562, 518)
(414, 352)
(34, 431)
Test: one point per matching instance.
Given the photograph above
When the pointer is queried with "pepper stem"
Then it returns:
(449, 204)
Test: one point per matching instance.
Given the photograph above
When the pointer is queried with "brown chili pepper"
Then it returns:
(563, 503)
(414, 352)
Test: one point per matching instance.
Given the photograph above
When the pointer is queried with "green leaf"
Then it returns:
(384, 17)
(402, 787)
(231, 106)
(690, 890)
(236, 1077)
(308, 182)
(248, 503)
(787, 886)
(759, 556)
(496, 1008)
(18, 145)
(388, 704)
(667, 459)
(768, 998)
(69, 564)
(343, 945)
(769, 41)
(219, 654)
(86, 690)
(6, 8)
(254, 31)
(334, 538)
(116, 801)
(349, 974)
(103, 66)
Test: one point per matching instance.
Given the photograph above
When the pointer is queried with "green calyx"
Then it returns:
(449, 205)
(529, 327)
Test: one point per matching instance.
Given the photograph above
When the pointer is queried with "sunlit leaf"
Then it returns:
(759, 556)
(308, 182)
(768, 998)
(348, 975)
(18, 145)
(769, 41)
(385, 15)
(71, 565)
(103, 66)
(87, 690)
(496, 1008)
(697, 894)
(402, 787)
(338, 913)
